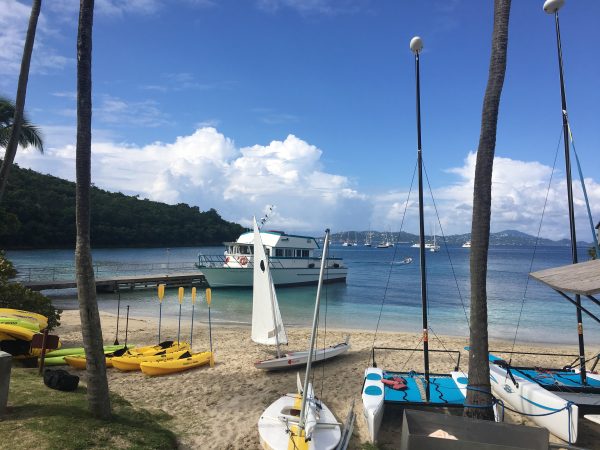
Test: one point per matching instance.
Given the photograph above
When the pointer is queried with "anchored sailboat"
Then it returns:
(267, 324)
(301, 420)
(412, 388)
(555, 397)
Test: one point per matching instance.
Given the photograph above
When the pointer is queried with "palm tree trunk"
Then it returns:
(13, 142)
(479, 393)
(97, 384)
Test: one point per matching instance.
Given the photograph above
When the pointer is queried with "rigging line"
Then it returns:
(537, 238)
(585, 196)
(446, 248)
(448, 352)
(387, 284)
(412, 353)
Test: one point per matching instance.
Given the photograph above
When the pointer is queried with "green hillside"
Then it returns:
(38, 211)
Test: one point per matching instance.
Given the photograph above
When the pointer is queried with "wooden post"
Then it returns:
(43, 354)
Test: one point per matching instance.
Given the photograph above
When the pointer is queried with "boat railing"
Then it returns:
(102, 270)
(413, 350)
(247, 261)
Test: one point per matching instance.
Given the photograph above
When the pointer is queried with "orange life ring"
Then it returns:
(243, 260)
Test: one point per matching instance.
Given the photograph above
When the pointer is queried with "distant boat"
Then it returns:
(467, 244)
(292, 258)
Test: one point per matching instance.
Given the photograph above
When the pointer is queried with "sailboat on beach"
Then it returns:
(301, 420)
(411, 388)
(555, 397)
(267, 324)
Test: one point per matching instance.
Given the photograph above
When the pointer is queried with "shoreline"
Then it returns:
(199, 399)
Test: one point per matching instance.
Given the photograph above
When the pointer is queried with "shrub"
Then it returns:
(17, 296)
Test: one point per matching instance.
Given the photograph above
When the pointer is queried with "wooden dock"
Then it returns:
(113, 284)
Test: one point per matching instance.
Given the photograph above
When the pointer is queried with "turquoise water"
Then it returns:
(546, 316)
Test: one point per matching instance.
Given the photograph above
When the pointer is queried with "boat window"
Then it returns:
(278, 252)
(289, 252)
(268, 251)
(305, 253)
(298, 253)
(244, 250)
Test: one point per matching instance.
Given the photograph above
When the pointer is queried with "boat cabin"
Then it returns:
(277, 244)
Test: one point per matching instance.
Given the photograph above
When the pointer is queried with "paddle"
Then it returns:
(180, 302)
(193, 305)
(161, 294)
(126, 326)
(208, 300)
(118, 314)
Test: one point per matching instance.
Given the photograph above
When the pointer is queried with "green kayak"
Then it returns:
(57, 357)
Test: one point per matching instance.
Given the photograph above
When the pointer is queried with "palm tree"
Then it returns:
(15, 135)
(97, 384)
(30, 136)
(479, 393)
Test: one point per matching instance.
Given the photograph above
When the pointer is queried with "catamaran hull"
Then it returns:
(530, 398)
(373, 401)
(225, 277)
(296, 359)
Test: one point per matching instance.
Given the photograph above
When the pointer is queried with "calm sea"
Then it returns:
(374, 276)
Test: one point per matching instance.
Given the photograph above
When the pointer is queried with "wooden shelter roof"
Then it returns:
(582, 278)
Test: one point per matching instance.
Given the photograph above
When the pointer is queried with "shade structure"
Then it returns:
(582, 278)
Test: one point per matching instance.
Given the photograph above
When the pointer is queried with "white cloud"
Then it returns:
(14, 20)
(519, 191)
(207, 169)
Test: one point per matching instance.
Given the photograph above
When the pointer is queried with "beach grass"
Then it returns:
(40, 417)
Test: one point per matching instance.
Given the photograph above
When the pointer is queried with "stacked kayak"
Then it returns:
(155, 368)
(75, 356)
(17, 329)
(127, 363)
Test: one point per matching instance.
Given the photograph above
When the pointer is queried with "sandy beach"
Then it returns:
(219, 407)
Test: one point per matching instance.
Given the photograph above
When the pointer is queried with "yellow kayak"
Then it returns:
(17, 332)
(79, 361)
(20, 314)
(155, 368)
(132, 362)
(166, 346)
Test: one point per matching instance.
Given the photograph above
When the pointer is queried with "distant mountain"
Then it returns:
(506, 237)
(38, 211)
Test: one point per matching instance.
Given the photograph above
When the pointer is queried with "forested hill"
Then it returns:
(38, 211)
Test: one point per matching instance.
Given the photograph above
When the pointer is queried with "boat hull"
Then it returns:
(296, 359)
(274, 433)
(530, 398)
(226, 277)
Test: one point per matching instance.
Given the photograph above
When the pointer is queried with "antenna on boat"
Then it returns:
(416, 46)
(552, 7)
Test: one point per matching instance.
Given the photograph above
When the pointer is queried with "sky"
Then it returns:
(309, 105)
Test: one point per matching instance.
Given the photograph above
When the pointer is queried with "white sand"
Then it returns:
(219, 407)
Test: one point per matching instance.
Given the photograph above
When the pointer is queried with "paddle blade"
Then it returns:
(161, 292)
(193, 296)
(181, 295)
(208, 296)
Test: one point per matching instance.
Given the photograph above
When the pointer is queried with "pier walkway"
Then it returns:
(113, 277)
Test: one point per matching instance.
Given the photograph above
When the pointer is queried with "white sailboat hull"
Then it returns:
(274, 431)
(222, 277)
(530, 398)
(295, 359)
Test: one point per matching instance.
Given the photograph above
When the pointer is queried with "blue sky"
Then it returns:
(309, 105)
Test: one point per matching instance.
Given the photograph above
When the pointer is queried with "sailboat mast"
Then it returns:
(313, 334)
(552, 6)
(416, 45)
